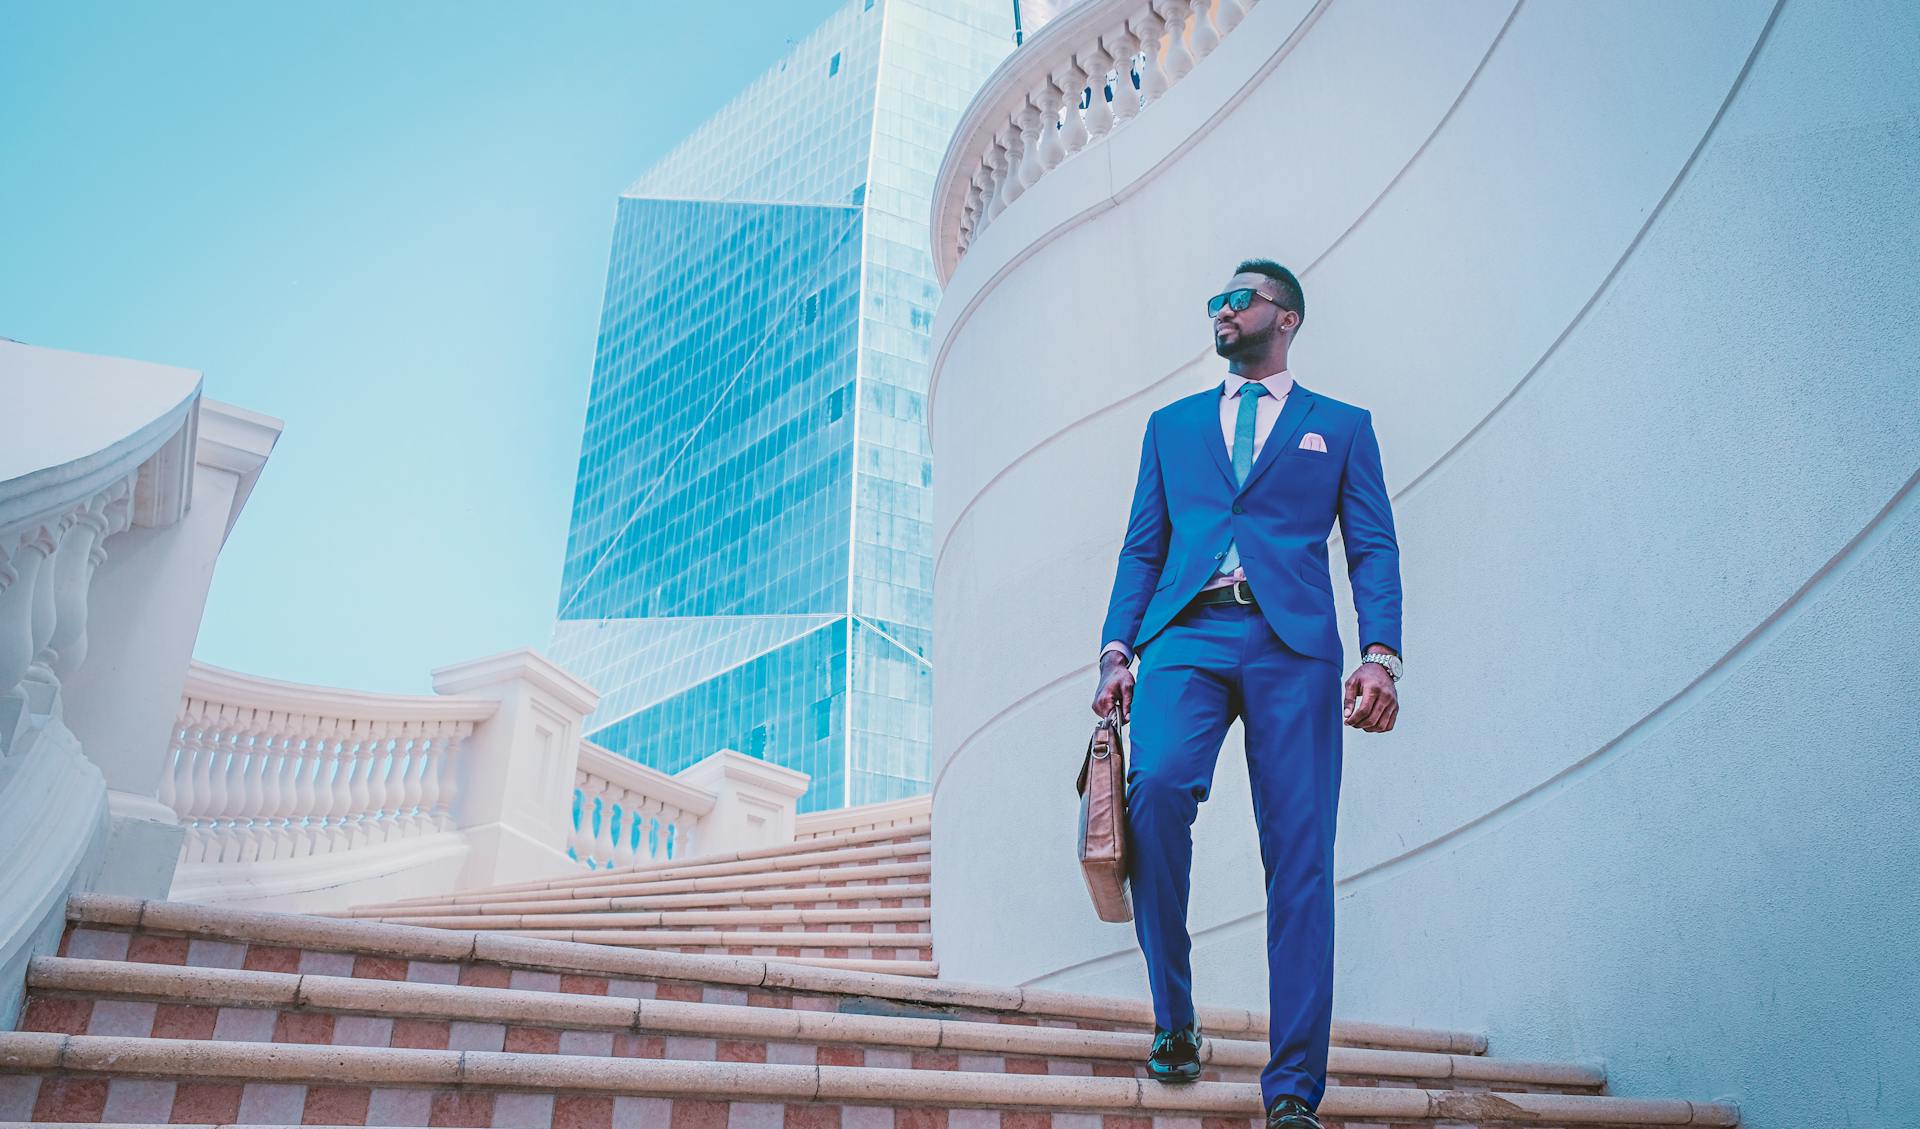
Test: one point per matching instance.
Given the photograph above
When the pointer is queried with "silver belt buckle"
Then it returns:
(1237, 585)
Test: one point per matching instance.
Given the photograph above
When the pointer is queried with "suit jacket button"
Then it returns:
(1220, 556)
(1238, 508)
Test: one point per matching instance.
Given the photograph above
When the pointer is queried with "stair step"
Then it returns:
(118, 928)
(878, 876)
(113, 998)
(762, 862)
(88, 1077)
(913, 895)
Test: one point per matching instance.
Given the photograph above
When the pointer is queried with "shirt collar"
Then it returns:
(1277, 385)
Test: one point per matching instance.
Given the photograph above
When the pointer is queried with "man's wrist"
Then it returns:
(1380, 649)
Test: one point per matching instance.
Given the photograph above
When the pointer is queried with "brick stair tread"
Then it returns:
(876, 876)
(59, 978)
(1027, 1005)
(710, 899)
(67, 1055)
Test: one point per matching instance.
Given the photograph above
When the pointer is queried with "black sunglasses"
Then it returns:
(1238, 299)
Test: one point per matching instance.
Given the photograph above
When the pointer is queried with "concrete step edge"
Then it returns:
(34, 1053)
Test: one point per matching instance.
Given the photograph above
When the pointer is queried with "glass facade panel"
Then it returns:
(750, 559)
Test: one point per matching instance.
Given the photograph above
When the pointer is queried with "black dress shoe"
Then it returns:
(1176, 1054)
(1289, 1112)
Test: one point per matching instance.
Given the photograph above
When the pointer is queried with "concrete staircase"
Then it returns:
(858, 902)
(158, 1011)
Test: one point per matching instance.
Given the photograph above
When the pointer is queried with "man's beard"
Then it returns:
(1242, 343)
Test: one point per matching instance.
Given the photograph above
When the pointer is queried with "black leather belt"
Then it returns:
(1240, 592)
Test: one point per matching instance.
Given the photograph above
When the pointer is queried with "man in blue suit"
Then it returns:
(1223, 592)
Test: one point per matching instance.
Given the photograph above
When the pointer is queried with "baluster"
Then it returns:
(975, 215)
(432, 810)
(1123, 45)
(18, 581)
(333, 786)
(1227, 15)
(996, 159)
(1011, 187)
(80, 553)
(1179, 59)
(1152, 28)
(189, 780)
(1054, 100)
(358, 758)
(276, 788)
(213, 785)
(1093, 64)
(1073, 130)
(1205, 39)
(389, 742)
(169, 791)
(250, 807)
(578, 844)
(412, 810)
(1029, 118)
(304, 822)
(593, 817)
(632, 817)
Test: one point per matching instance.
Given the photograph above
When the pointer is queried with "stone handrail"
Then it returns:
(1086, 73)
(867, 817)
(261, 770)
(625, 813)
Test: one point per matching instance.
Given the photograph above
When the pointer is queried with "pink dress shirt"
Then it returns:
(1278, 385)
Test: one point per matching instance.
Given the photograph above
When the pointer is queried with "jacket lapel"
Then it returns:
(1285, 433)
(1206, 425)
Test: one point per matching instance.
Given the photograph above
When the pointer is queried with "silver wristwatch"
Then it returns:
(1391, 662)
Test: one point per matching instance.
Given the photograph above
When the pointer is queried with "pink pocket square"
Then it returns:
(1312, 441)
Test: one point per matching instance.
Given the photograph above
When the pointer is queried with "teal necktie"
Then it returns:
(1250, 394)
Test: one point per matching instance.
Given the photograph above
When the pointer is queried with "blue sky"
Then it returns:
(384, 223)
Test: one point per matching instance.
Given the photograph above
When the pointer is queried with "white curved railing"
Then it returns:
(1085, 74)
(261, 770)
(625, 813)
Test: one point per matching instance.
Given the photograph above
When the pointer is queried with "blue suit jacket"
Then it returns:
(1186, 509)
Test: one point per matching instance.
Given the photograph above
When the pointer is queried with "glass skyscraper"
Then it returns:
(749, 564)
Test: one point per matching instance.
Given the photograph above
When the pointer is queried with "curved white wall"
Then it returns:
(1627, 289)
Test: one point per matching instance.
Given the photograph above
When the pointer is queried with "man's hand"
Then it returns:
(1372, 704)
(1116, 686)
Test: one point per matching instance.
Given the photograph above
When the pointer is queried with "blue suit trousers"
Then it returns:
(1214, 663)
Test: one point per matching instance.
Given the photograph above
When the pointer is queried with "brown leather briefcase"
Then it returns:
(1103, 820)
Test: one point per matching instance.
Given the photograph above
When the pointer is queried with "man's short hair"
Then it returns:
(1286, 287)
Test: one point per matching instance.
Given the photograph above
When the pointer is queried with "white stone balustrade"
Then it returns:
(626, 814)
(262, 770)
(867, 817)
(1089, 71)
